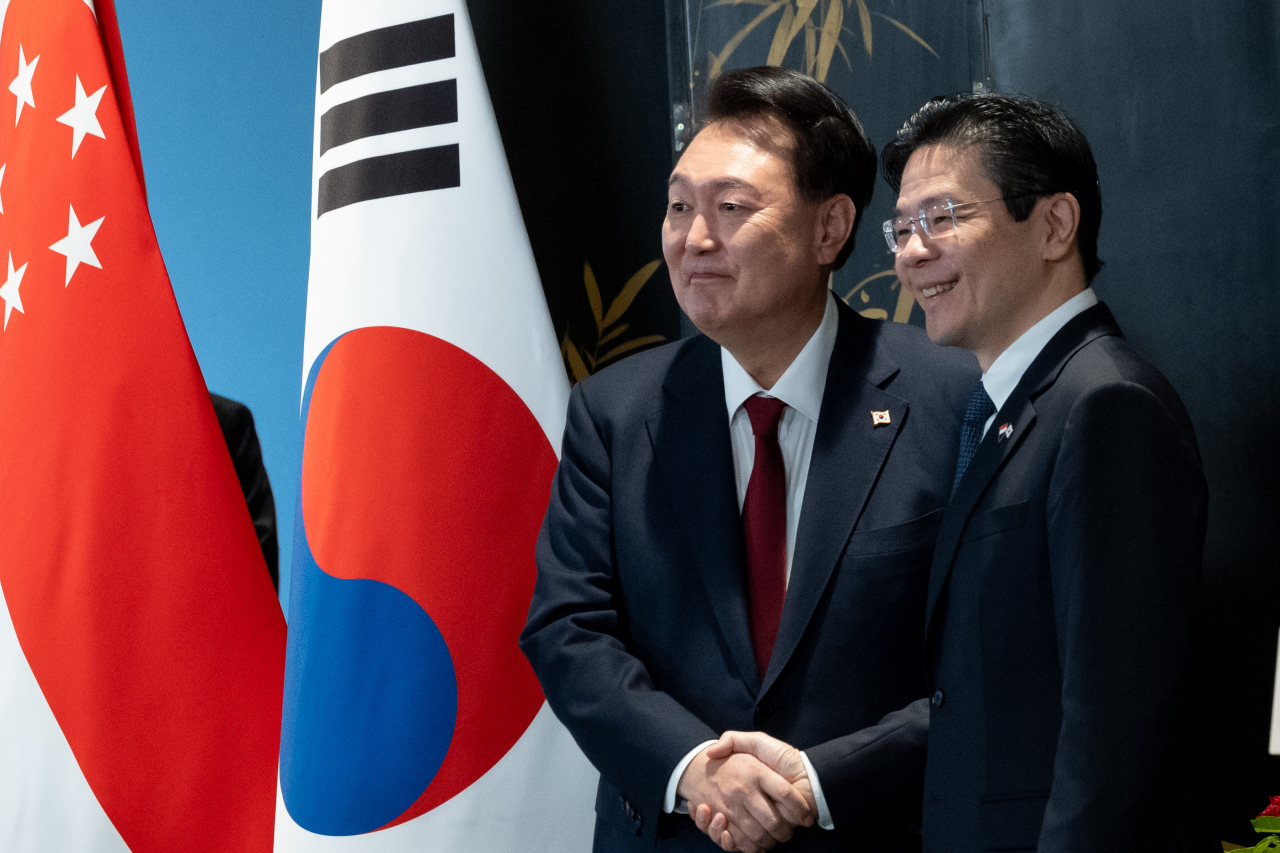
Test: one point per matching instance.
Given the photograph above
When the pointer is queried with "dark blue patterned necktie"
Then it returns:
(975, 415)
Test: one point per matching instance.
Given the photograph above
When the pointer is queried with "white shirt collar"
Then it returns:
(804, 380)
(1006, 371)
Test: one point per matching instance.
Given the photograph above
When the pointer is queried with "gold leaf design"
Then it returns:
(583, 361)
(901, 309)
(781, 38)
(820, 44)
(629, 292)
(630, 345)
(593, 296)
(908, 31)
(731, 45)
(845, 53)
(810, 47)
(830, 37)
(864, 16)
(617, 330)
(573, 358)
(804, 14)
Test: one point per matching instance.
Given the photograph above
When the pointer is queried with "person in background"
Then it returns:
(236, 422)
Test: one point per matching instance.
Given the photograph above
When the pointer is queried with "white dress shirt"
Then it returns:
(801, 387)
(1006, 371)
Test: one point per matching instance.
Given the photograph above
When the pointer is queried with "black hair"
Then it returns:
(1027, 148)
(831, 153)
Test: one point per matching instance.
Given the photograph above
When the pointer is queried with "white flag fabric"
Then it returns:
(433, 408)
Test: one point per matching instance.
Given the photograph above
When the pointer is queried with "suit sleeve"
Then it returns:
(236, 422)
(1126, 515)
(873, 779)
(576, 636)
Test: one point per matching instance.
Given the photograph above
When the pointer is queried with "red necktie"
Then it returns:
(764, 527)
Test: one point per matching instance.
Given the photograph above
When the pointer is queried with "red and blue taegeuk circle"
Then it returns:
(424, 481)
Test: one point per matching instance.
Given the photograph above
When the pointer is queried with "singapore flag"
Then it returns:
(433, 404)
(141, 648)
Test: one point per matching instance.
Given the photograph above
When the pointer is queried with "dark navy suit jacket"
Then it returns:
(1060, 614)
(639, 630)
(238, 431)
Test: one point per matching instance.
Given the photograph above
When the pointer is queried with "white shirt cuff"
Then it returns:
(669, 801)
(824, 815)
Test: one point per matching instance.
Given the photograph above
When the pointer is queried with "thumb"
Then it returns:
(722, 748)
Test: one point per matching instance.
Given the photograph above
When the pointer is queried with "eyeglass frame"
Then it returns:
(890, 232)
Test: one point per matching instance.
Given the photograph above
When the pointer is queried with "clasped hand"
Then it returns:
(748, 791)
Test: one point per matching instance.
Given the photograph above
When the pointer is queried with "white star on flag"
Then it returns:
(9, 290)
(89, 3)
(2, 168)
(83, 117)
(21, 85)
(76, 246)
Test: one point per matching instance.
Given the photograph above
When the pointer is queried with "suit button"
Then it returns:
(937, 699)
(765, 710)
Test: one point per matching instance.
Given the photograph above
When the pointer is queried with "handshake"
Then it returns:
(748, 791)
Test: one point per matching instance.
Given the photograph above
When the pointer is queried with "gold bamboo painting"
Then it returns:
(806, 35)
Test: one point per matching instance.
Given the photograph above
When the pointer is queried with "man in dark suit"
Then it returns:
(1060, 610)
(741, 526)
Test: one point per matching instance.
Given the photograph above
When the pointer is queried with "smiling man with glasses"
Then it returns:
(1063, 588)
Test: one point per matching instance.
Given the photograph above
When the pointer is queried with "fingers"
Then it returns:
(719, 832)
(739, 838)
(731, 742)
(767, 814)
(702, 819)
(757, 807)
(756, 824)
(747, 834)
(717, 828)
(779, 755)
(789, 799)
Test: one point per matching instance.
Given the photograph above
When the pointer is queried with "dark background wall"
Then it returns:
(1180, 102)
(579, 89)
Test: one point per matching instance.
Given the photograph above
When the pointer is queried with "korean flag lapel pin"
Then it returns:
(1006, 431)
(879, 419)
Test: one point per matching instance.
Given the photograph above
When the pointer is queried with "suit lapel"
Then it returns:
(1020, 414)
(848, 452)
(690, 439)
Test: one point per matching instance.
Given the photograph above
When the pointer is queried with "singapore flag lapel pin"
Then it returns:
(1006, 431)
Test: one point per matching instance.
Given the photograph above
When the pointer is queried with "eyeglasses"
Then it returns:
(935, 220)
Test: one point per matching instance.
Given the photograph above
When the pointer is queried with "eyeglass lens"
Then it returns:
(935, 220)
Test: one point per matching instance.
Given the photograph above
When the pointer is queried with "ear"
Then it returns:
(1061, 216)
(833, 226)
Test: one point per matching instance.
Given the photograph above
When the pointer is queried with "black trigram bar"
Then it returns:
(389, 47)
(392, 174)
(387, 112)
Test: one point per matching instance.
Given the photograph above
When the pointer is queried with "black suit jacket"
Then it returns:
(639, 631)
(1060, 614)
(236, 422)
